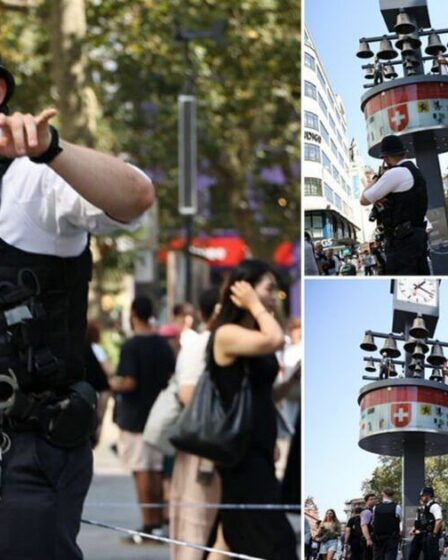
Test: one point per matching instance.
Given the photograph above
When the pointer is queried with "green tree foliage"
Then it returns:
(247, 89)
(388, 473)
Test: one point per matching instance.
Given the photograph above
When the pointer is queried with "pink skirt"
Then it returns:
(191, 524)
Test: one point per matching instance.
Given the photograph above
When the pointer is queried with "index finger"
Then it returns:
(46, 115)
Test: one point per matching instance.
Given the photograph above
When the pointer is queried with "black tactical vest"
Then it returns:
(56, 333)
(385, 522)
(427, 519)
(409, 206)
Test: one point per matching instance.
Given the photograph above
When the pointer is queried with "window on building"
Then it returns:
(310, 61)
(324, 132)
(326, 162)
(329, 193)
(310, 90)
(311, 120)
(313, 186)
(323, 105)
(335, 173)
(321, 77)
(334, 149)
(314, 224)
(332, 123)
(338, 201)
(312, 152)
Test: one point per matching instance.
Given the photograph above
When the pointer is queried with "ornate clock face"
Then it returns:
(418, 290)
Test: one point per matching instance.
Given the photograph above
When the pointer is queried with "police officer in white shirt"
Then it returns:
(53, 194)
(400, 203)
(428, 527)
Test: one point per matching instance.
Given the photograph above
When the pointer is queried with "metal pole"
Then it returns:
(428, 161)
(188, 267)
(413, 480)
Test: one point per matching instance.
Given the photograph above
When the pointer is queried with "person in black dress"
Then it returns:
(246, 329)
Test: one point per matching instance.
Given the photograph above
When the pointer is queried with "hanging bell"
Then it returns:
(369, 72)
(435, 68)
(364, 50)
(389, 72)
(411, 72)
(418, 353)
(368, 343)
(392, 372)
(413, 42)
(436, 375)
(413, 60)
(404, 24)
(435, 45)
(390, 350)
(436, 358)
(418, 329)
(409, 345)
(370, 367)
(408, 64)
(418, 369)
(386, 51)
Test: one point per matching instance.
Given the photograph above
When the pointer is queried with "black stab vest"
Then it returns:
(427, 519)
(61, 330)
(385, 522)
(409, 206)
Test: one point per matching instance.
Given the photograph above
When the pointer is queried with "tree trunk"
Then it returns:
(77, 104)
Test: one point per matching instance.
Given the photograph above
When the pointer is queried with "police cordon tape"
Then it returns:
(271, 507)
(170, 541)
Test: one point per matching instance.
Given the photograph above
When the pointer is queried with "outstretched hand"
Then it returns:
(25, 134)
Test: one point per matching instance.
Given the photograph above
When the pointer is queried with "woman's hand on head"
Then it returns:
(243, 295)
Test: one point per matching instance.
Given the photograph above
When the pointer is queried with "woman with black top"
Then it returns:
(246, 329)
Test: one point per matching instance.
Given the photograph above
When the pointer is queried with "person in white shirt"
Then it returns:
(400, 203)
(53, 194)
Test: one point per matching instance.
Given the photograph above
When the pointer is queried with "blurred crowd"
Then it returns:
(163, 364)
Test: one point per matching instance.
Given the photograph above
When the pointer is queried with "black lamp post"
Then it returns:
(187, 141)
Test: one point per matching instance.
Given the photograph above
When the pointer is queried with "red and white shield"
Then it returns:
(400, 414)
(398, 117)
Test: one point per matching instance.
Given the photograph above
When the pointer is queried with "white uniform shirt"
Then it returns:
(41, 213)
(395, 180)
(436, 510)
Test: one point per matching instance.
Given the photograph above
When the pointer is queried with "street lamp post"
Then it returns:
(406, 416)
(187, 143)
(413, 106)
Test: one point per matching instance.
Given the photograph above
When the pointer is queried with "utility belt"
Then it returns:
(401, 231)
(65, 419)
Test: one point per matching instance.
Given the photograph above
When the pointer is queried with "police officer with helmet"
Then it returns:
(427, 527)
(400, 202)
(53, 195)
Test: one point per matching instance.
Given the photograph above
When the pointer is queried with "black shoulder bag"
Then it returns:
(211, 429)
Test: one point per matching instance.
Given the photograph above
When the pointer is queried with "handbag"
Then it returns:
(163, 414)
(212, 429)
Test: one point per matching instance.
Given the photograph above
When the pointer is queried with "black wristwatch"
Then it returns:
(53, 150)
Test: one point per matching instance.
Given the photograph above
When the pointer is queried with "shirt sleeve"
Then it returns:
(128, 364)
(366, 516)
(398, 179)
(436, 510)
(398, 511)
(74, 211)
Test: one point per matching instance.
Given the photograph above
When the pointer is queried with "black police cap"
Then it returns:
(10, 82)
(392, 145)
(427, 491)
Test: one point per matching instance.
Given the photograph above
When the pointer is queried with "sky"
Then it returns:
(337, 313)
(336, 27)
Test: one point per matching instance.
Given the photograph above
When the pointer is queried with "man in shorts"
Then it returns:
(146, 364)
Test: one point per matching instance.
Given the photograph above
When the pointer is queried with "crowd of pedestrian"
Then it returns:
(376, 531)
(364, 261)
(233, 334)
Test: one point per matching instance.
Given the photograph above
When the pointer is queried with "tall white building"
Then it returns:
(361, 175)
(331, 211)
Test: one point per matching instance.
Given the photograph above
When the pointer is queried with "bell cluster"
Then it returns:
(416, 345)
(408, 43)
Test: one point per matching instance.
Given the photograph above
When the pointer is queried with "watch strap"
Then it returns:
(53, 150)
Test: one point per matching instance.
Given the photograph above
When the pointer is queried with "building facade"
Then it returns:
(329, 203)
